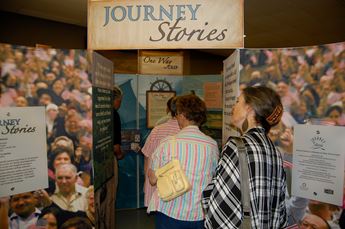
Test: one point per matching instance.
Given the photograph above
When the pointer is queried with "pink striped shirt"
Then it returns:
(161, 131)
(198, 154)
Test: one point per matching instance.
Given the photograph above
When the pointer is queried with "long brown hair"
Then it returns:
(266, 104)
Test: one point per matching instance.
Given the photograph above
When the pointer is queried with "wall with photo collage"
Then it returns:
(60, 81)
(311, 84)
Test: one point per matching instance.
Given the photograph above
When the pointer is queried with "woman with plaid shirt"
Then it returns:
(255, 112)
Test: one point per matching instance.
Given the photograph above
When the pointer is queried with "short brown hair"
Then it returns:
(78, 223)
(192, 107)
(57, 151)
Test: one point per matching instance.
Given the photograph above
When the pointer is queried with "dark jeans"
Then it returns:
(165, 222)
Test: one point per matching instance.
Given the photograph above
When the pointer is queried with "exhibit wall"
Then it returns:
(133, 114)
(311, 84)
(59, 81)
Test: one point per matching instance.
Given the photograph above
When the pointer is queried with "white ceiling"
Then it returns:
(267, 23)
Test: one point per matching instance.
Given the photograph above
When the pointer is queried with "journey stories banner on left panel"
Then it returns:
(55, 86)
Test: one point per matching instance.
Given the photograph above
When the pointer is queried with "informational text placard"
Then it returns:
(102, 122)
(156, 105)
(318, 160)
(231, 74)
(23, 150)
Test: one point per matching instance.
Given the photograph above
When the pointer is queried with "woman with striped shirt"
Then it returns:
(198, 155)
(163, 130)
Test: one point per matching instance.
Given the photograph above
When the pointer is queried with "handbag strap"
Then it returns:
(173, 154)
(242, 155)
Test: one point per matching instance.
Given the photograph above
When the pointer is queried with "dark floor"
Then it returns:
(134, 219)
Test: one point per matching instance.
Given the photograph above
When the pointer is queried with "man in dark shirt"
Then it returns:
(118, 155)
(117, 123)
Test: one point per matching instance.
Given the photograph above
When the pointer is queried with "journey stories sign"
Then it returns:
(161, 24)
(23, 150)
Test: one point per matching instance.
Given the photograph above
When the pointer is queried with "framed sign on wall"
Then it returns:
(156, 104)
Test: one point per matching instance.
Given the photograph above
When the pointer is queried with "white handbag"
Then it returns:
(171, 179)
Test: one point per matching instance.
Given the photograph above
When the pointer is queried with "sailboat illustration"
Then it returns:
(128, 110)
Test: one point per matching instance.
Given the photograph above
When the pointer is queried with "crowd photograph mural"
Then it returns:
(309, 80)
(311, 84)
(59, 81)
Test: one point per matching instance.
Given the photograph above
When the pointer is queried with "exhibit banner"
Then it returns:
(157, 24)
(231, 75)
(103, 147)
(102, 121)
(23, 150)
(102, 71)
(318, 159)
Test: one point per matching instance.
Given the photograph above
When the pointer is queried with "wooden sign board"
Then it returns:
(163, 24)
(162, 63)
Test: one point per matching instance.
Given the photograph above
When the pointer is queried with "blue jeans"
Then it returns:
(165, 222)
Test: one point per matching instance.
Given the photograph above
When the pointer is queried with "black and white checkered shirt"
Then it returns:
(222, 197)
